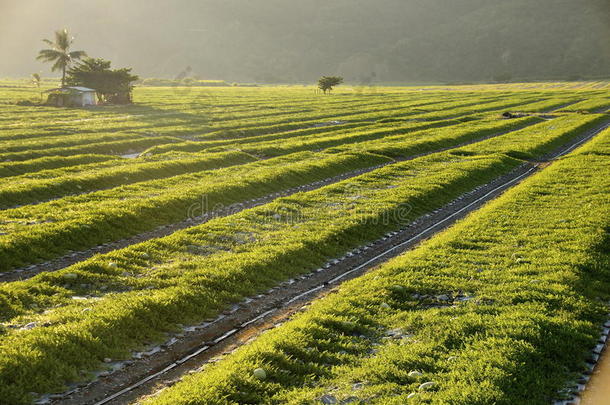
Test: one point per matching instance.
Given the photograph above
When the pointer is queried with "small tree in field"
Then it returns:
(111, 85)
(36, 79)
(326, 83)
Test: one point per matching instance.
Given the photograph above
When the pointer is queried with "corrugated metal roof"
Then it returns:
(83, 89)
(74, 88)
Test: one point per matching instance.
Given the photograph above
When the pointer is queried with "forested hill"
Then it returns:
(364, 40)
(430, 40)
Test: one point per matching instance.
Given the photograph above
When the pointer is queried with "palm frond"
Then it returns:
(48, 55)
(60, 53)
(62, 39)
(59, 65)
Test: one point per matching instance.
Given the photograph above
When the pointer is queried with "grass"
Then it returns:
(592, 105)
(111, 148)
(138, 292)
(56, 183)
(451, 133)
(209, 141)
(8, 169)
(35, 232)
(502, 308)
(196, 272)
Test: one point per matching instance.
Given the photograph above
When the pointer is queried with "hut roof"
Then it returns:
(70, 89)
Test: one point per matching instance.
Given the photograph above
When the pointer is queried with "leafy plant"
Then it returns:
(111, 85)
(327, 83)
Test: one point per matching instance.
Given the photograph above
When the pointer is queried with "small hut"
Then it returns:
(72, 97)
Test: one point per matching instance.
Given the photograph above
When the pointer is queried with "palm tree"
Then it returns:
(60, 53)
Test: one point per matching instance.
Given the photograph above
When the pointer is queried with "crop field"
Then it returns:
(245, 245)
(490, 311)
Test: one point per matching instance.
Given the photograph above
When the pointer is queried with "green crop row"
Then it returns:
(521, 101)
(324, 141)
(598, 146)
(548, 105)
(141, 291)
(56, 166)
(98, 121)
(229, 122)
(158, 108)
(424, 136)
(47, 230)
(244, 129)
(532, 142)
(132, 295)
(66, 140)
(525, 143)
(591, 105)
(298, 128)
(404, 108)
(66, 166)
(183, 120)
(412, 106)
(61, 131)
(112, 147)
(50, 229)
(52, 184)
(199, 146)
(8, 169)
(503, 308)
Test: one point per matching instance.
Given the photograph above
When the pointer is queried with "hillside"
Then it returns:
(279, 41)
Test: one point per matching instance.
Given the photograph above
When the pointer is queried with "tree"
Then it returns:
(111, 85)
(60, 53)
(326, 83)
(36, 79)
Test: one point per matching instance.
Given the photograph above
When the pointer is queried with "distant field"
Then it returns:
(122, 225)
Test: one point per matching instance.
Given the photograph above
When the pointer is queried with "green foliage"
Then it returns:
(129, 142)
(414, 138)
(532, 142)
(143, 206)
(326, 83)
(415, 113)
(502, 308)
(132, 295)
(245, 253)
(9, 169)
(590, 105)
(56, 183)
(111, 85)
